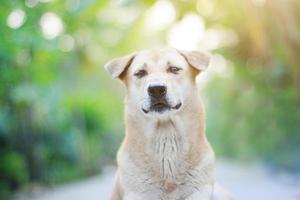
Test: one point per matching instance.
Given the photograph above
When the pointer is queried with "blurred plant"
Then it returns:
(13, 172)
(255, 112)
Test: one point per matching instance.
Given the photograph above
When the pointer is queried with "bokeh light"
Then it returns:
(187, 33)
(51, 25)
(16, 18)
(160, 15)
(67, 43)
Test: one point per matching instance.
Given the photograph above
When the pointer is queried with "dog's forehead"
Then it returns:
(158, 59)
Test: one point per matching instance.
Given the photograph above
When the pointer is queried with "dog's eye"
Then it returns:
(140, 73)
(174, 70)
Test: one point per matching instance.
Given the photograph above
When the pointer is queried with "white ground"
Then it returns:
(244, 181)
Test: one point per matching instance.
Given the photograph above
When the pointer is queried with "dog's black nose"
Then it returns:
(157, 91)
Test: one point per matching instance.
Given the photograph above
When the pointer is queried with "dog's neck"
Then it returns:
(178, 136)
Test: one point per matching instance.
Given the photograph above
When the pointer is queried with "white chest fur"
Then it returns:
(162, 168)
(167, 146)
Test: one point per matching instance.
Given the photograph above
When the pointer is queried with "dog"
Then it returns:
(165, 154)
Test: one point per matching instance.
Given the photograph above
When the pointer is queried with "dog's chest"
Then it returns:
(168, 148)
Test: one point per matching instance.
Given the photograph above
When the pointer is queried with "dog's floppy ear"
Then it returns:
(196, 59)
(117, 66)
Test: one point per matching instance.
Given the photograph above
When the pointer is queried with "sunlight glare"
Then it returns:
(219, 66)
(215, 38)
(187, 33)
(160, 15)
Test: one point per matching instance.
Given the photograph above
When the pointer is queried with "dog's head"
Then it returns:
(159, 82)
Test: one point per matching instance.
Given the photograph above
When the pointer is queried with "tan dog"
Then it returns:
(165, 154)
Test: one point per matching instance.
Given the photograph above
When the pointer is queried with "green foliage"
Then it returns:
(13, 171)
(249, 117)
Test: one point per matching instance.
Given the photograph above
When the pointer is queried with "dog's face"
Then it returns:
(158, 81)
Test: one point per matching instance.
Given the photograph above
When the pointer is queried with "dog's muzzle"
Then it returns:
(158, 101)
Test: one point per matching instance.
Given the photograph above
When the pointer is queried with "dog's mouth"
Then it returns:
(161, 106)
